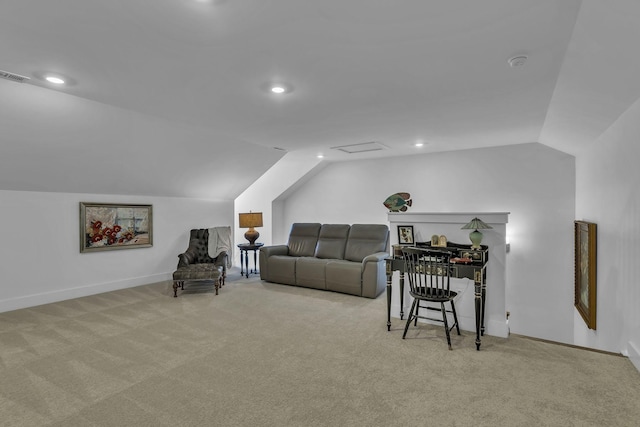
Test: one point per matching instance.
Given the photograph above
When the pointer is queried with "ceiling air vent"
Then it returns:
(361, 148)
(13, 77)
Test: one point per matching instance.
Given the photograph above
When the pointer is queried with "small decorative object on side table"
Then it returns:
(244, 260)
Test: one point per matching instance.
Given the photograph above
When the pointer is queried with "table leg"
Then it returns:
(255, 262)
(484, 299)
(246, 264)
(401, 294)
(479, 314)
(389, 272)
(388, 303)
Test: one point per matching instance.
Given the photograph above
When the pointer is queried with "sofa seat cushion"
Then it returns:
(206, 271)
(282, 269)
(344, 276)
(310, 272)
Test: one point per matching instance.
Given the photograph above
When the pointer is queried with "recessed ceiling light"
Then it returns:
(278, 88)
(54, 80)
(320, 156)
(419, 143)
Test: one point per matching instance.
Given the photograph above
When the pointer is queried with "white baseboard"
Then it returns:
(82, 291)
(497, 328)
(634, 355)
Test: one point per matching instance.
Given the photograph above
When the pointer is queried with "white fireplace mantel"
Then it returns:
(448, 217)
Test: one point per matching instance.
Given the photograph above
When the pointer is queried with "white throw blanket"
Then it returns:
(220, 241)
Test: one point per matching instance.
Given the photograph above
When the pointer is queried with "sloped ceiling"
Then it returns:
(168, 97)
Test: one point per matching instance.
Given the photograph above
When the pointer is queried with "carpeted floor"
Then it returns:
(262, 354)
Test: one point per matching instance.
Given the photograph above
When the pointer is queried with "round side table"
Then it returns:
(244, 258)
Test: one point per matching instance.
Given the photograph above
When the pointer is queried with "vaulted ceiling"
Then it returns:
(170, 97)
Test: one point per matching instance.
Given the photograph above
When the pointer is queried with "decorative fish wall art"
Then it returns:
(398, 202)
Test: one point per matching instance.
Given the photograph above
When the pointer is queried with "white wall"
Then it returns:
(609, 195)
(40, 257)
(536, 184)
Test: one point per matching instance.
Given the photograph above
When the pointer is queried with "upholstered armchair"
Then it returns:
(206, 258)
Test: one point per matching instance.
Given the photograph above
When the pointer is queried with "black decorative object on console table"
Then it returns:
(466, 263)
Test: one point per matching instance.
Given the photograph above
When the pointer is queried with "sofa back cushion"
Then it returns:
(332, 241)
(303, 239)
(366, 239)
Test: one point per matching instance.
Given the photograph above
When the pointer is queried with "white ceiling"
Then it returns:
(167, 96)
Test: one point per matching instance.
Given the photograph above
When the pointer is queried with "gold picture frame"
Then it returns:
(585, 271)
(109, 226)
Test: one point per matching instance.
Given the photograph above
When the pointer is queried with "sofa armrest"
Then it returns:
(374, 274)
(377, 257)
(274, 250)
(265, 253)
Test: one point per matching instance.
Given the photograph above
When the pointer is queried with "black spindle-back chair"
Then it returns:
(428, 272)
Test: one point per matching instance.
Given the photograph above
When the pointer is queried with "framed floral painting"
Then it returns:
(585, 271)
(107, 226)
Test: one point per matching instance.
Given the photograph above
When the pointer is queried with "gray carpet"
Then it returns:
(262, 354)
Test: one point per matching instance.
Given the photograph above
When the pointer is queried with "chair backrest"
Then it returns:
(199, 244)
(428, 272)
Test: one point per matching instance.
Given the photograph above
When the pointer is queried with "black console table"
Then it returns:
(475, 269)
(244, 260)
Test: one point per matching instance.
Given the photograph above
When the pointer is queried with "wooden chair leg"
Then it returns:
(455, 316)
(446, 324)
(175, 288)
(409, 318)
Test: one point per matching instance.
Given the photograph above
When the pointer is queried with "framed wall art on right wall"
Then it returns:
(585, 271)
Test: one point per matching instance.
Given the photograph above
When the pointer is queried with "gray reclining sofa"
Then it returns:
(336, 257)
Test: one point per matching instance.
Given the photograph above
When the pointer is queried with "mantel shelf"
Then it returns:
(448, 217)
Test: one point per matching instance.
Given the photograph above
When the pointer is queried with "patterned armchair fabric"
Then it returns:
(198, 250)
(195, 264)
